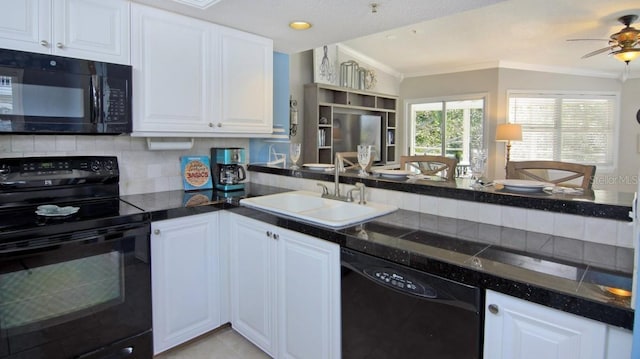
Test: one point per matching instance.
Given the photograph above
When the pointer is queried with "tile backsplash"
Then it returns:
(491, 216)
(141, 170)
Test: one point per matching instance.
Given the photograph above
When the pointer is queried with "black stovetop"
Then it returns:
(90, 183)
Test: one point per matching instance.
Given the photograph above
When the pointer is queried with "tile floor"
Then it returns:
(222, 343)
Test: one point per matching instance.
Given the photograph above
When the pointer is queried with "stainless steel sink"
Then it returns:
(311, 207)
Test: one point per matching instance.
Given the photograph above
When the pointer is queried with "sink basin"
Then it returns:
(311, 207)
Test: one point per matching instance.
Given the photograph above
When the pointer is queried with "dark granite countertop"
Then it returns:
(594, 203)
(463, 251)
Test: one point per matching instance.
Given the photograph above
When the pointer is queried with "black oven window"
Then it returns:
(60, 292)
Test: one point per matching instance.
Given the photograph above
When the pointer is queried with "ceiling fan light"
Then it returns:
(626, 55)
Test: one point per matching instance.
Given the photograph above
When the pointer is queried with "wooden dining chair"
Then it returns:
(431, 165)
(350, 161)
(556, 172)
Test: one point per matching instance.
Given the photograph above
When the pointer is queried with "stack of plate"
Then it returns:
(318, 166)
(393, 174)
(517, 185)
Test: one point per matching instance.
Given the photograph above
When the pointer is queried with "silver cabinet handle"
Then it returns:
(276, 236)
(44, 43)
(59, 45)
(493, 309)
(210, 124)
(269, 234)
(156, 232)
(219, 124)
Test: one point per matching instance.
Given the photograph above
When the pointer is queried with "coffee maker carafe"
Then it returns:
(226, 165)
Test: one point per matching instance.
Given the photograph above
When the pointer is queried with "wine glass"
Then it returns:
(478, 163)
(294, 154)
(364, 156)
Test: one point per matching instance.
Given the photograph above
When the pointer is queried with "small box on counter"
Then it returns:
(196, 172)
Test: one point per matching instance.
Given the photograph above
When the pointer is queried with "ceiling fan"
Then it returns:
(623, 45)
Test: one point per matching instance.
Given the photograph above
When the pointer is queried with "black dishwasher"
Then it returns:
(391, 311)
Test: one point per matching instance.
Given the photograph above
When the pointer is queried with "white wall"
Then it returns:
(510, 79)
(629, 138)
(496, 82)
(446, 85)
(141, 170)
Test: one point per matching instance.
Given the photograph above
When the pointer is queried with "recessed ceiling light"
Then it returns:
(299, 25)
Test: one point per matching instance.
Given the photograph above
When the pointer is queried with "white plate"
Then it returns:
(396, 174)
(517, 185)
(318, 166)
(55, 211)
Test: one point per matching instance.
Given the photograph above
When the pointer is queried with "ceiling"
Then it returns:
(421, 37)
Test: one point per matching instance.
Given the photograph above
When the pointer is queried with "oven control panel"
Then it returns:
(51, 171)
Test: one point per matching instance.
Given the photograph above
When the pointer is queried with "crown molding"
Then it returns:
(527, 67)
(375, 63)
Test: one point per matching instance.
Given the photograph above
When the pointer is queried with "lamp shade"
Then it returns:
(509, 132)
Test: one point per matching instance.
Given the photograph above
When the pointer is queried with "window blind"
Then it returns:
(566, 127)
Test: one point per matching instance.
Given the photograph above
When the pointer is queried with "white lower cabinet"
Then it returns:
(519, 329)
(285, 290)
(186, 279)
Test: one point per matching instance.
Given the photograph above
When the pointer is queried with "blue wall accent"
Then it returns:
(259, 147)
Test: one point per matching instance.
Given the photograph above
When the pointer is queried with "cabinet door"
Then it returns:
(171, 57)
(619, 343)
(185, 282)
(25, 25)
(253, 282)
(91, 29)
(308, 297)
(247, 83)
(525, 330)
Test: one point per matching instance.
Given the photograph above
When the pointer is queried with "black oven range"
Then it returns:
(75, 275)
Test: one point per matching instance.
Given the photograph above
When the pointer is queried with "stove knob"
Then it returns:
(95, 166)
(108, 165)
(4, 170)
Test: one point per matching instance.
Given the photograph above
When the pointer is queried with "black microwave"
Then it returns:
(45, 94)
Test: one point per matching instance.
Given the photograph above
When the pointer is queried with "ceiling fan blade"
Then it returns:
(603, 50)
(588, 39)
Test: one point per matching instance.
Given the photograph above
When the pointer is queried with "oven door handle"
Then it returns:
(45, 243)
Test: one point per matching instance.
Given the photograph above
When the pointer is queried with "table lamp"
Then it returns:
(508, 132)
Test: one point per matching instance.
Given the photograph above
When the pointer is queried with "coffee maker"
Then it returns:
(226, 166)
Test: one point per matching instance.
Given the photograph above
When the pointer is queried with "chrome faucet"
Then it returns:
(336, 177)
(360, 187)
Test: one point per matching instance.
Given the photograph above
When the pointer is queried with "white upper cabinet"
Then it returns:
(197, 79)
(89, 29)
(26, 25)
(173, 72)
(247, 83)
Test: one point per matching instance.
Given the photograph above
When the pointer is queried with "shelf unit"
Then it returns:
(323, 102)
